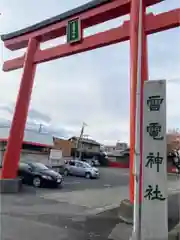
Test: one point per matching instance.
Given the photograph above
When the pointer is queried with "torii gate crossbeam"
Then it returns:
(154, 24)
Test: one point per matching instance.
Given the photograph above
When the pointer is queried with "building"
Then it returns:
(115, 149)
(121, 146)
(36, 146)
(173, 141)
(87, 147)
(109, 148)
(64, 145)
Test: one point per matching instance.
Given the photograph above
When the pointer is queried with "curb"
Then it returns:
(125, 202)
(125, 214)
(126, 211)
(99, 210)
(117, 231)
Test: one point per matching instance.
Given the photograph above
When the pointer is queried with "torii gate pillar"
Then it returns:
(90, 14)
(134, 21)
(9, 170)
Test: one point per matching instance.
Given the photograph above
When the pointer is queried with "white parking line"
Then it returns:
(107, 185)
(71, 183)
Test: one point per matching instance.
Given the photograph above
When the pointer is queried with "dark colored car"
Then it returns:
(38, 175)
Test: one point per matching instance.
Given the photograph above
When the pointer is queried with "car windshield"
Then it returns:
(87, 165)
(39, 166)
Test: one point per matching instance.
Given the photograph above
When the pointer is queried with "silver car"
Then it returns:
(79, 168)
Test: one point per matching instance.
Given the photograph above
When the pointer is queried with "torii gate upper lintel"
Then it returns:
(90, 14)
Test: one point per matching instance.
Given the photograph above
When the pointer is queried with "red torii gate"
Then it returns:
(90, 14)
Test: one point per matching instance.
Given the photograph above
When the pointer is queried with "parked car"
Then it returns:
(125, 153)
(174, 157)
(79, 168)
(92, 161)
(37, 174)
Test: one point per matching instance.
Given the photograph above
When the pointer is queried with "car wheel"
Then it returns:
(37, 182)
(66, 172)
(87, 175)
(59, 185)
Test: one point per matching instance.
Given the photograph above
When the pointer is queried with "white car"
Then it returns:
(79, 168)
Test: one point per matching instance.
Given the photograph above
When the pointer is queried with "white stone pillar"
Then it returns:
(154, 216)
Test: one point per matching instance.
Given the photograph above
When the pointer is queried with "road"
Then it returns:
(67, 213)
(108, 178)
(59, 213)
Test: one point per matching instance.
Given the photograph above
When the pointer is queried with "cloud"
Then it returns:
(38, 116)
(34, 120)
(92, 87)
(9, 109)
(32, 114)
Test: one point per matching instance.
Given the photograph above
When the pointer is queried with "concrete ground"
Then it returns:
(74, 212)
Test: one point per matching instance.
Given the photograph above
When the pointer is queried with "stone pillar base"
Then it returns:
(125, 212)
(10, 185)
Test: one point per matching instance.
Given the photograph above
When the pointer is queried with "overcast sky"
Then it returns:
(92, 87)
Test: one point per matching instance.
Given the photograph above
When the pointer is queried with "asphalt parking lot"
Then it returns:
(74, 211)
(108, 178)
(64, 213)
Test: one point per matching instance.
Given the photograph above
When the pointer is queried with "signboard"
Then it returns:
(74, 31)
(154, 216)
(55, 157)
(55, 154)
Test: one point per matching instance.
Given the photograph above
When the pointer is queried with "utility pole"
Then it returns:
(78, 142)
(40, 128)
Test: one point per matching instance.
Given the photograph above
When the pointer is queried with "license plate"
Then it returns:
(59, 180)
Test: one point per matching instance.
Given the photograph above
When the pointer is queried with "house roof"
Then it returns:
(87, 140)
(30, 137)
(56, 19)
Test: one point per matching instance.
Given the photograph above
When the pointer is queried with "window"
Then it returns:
(39, 166)
(24, 166)
(86, 165)
(78, 164)
(71, 163)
